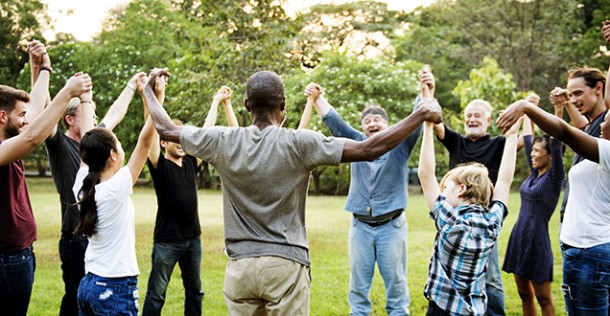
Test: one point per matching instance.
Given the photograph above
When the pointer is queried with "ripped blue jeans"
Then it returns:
(108, 296)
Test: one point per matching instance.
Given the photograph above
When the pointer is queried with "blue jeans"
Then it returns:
(586, 280)
(108, 296)
(16, 280)
(165, 255)
(493, 285)
(386, 245)
(72, 254)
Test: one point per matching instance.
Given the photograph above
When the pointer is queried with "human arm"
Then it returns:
(382, 142)
(427, 165)
(140, 152)
(163, 123)
(155, 147)
(560, 99)
(427, 89)
(17, 147)
(39, 63)
(118, 109)
(320, 104)
(507, 164)
(606, 33)
(312, 91)
(220, 96)
(582, 143)
(229, 113)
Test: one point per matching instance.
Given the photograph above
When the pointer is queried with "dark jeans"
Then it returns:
(16, 280)
(586, 280)
(434, 310)
(108, 296)
(72, 254)
(165, 255)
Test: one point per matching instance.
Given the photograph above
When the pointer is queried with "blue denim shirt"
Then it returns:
(380, 186)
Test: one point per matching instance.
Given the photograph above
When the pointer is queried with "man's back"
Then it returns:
(265, 176)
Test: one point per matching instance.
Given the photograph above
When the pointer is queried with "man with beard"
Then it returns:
(17, 139)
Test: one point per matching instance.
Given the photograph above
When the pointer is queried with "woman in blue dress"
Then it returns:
(529, 256)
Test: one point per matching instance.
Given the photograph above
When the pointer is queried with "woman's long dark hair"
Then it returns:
(95, 149)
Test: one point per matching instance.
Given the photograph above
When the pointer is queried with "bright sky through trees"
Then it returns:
(83, 18)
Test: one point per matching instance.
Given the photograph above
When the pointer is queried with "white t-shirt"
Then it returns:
(111, 252)
(587, 217)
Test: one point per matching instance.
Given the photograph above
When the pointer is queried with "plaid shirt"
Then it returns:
(466, 234)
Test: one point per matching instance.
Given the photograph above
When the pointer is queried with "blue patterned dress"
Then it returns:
(529, 253)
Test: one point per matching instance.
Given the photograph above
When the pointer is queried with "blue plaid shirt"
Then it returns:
(466, 234)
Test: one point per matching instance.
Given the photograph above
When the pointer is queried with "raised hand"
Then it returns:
(432, 109)
(136, 82)
(151, 81)
(224, 94)
(78, 84)
(427, 83)
(313, 91)
(559, 97)
(606, 31)
(533, 99)
(511, 115)
(38, 55)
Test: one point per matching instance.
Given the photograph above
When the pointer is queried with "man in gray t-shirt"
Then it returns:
(265, 172)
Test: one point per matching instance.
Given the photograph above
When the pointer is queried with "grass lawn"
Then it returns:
(328, 227)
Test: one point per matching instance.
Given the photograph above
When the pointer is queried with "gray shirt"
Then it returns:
(265, 175)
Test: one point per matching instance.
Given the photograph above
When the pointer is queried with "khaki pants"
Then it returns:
(266, 286)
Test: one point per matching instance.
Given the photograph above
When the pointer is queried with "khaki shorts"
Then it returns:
(266, 286)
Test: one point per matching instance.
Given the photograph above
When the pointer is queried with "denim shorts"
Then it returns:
(108, 296)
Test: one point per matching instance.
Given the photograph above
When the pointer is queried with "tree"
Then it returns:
(20, 22)
(350, 84)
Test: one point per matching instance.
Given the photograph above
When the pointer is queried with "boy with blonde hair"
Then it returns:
(468, 226)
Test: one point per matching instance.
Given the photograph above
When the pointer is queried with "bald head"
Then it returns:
(265, 91)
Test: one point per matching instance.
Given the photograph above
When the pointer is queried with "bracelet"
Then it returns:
(85, 101)
(46, 68)
(132, 88)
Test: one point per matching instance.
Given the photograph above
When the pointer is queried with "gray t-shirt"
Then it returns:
(265, 175)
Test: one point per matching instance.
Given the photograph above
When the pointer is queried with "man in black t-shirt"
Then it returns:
(476, 146)
(177, 229)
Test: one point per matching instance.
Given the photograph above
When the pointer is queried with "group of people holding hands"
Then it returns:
(265, 171)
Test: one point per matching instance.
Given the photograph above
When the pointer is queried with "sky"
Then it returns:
(83, 18)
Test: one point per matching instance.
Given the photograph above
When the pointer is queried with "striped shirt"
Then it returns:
(466, 235)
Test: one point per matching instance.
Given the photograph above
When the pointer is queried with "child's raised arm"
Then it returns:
(507, 165)
(427, 165)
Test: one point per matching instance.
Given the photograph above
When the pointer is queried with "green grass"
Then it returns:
(328, 227)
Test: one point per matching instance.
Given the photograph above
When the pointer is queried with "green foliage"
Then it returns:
(350, 84)
(20, 22)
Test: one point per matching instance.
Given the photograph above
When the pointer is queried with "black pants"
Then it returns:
(434, 310)
(72, 255)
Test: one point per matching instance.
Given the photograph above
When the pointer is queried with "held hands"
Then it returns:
(606, 31)
(224, 95)
(533, 99)
(313, 91)
(511, 115)
(559, 97)
(427, 83)
(514, 129)
(78, 85)
(136, 83)
(38, 55)
(156, 80)
(86, 96)
(432, 110)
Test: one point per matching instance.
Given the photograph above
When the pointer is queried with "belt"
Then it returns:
(379, 220)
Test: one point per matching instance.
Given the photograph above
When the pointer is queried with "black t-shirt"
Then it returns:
(176, 189)
(486, 150)
(64, 160)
